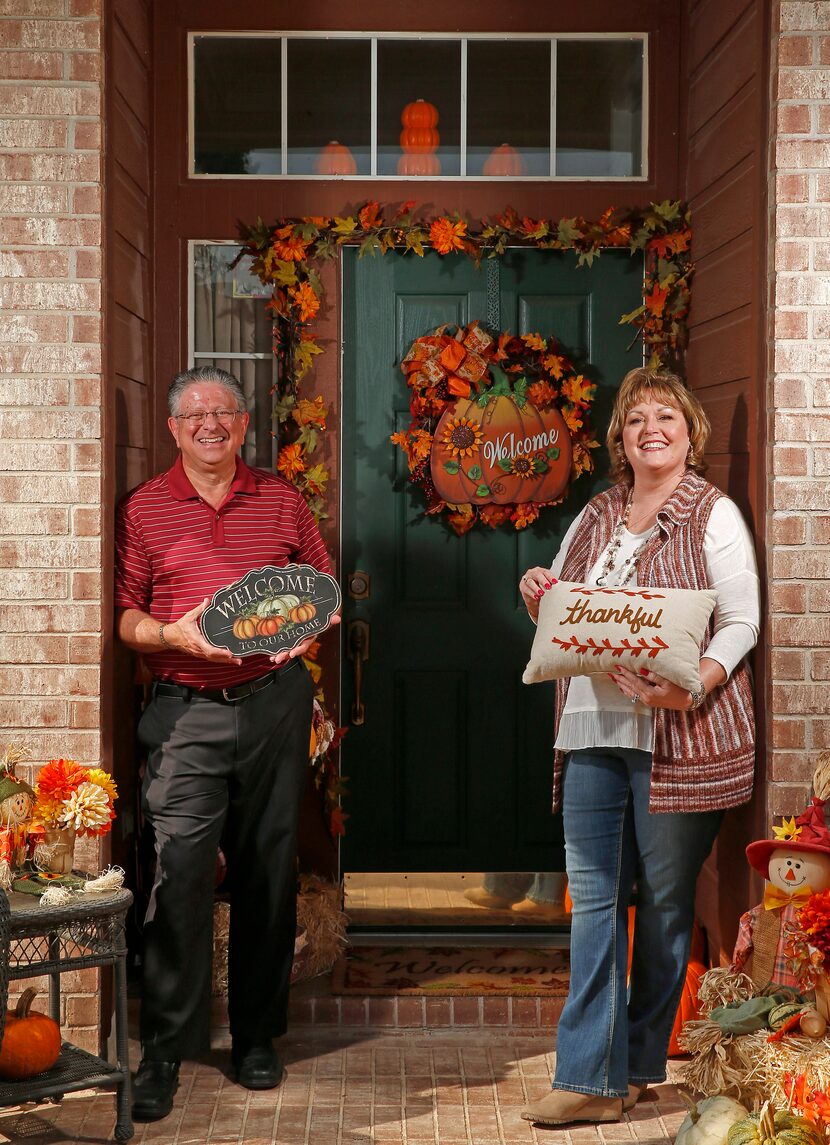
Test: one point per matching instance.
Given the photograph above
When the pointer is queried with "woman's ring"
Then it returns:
(634, 699)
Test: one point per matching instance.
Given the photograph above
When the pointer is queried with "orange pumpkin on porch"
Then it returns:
(501, 453)
(419, 114)
(31, 1041)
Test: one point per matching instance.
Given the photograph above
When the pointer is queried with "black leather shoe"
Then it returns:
(153, 1089)
(257, 1065)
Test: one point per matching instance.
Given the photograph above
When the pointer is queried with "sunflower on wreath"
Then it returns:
(500, 425)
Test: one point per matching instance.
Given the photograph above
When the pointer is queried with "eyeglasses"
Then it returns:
(198, 417)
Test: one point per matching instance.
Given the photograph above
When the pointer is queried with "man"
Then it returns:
(227, 739)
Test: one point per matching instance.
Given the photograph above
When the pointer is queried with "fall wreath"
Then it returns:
(500, 425)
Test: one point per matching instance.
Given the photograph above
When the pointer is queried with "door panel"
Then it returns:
(451, 769)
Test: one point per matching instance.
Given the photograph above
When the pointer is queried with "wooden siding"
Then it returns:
(129, 443)
(725, 68)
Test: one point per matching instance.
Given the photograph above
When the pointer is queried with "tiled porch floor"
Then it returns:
(356, 1087)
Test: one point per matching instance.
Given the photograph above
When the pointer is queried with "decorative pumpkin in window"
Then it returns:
(31, 1040)
(499, 448)
(504, 161)
(336, 159)
(419, 140)
(419, 164)
(419, 113)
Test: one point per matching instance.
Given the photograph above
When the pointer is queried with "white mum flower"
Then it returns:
(88, 808)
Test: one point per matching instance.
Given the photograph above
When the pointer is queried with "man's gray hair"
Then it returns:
(204, 374)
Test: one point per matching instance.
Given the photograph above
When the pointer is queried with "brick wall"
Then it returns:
(799, 560)
(51, 620)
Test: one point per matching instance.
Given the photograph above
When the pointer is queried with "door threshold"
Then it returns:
(557, 936)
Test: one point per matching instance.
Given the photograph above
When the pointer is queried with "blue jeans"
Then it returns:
(606, 1039)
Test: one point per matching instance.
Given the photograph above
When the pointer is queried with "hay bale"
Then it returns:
(750, 1067)
(321, 933)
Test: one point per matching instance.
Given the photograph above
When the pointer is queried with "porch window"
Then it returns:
(330, 105)
(229, 328)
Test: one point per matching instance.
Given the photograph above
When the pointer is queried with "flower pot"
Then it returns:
(55, 852)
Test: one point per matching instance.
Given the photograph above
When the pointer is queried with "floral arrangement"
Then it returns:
(70, 795)
(472, 363)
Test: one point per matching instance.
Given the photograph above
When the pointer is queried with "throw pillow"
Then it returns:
(585, 630)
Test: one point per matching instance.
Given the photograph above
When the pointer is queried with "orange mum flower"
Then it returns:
(59, 778)
(288, 246)
(291, 461)
(446, 236)
(305, 300)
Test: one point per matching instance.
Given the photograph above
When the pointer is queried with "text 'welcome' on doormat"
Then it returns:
(447, 971)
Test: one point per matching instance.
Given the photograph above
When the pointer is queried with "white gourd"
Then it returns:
(710, 1120)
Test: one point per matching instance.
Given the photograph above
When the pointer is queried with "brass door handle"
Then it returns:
(357, 649)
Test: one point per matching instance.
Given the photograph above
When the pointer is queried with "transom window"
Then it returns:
(361, 106)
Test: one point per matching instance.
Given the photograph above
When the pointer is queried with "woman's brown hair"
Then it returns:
(642, 384)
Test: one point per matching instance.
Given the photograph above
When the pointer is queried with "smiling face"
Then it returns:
(15, 809)
(213, 445)
(655, 438)
(793, 871)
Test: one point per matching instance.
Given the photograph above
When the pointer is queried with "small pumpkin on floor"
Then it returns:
(31, 1041)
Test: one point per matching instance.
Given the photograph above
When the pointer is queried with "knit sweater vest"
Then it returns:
(702, 760)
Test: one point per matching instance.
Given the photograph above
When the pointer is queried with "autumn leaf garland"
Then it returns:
(286, 256)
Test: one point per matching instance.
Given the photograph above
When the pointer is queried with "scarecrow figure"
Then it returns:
(796, 863)
(16, 802)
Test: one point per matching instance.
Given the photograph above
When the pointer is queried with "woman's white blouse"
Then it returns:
(596, 713)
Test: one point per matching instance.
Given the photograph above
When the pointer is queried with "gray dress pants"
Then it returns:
(235, 771)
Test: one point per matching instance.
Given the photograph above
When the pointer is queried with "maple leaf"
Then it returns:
(669, 244)
(316, 479)
(568, 230)
(578, 389)
(656, 300)
(542, 393)
(311, 412)
(534, 341)
(345, 226)
(304, 356)
(404, 210)
(554, 365)
(278, 270)
(370, 216)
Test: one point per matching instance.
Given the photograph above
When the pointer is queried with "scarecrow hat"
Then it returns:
(807, 832)
(9, 783)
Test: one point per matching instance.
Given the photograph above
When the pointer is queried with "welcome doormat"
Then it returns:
(447, 971)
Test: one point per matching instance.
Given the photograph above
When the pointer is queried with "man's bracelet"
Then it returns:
(165, 642)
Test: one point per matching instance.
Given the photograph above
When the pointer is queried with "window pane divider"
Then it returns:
(284, 105)
(373, 111)
(553, 60)
(462, 142)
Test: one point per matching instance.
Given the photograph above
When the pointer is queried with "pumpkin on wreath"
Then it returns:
(500, 424)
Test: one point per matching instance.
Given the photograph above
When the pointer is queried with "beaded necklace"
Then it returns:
(627, 568)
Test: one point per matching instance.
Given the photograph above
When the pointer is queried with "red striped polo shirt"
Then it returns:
(172, 550)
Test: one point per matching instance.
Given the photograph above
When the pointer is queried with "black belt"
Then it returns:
(222, 695)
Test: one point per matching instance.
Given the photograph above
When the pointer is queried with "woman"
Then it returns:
(644, 769)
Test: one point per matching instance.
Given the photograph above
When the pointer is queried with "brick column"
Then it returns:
(799, 528)
(51, 68)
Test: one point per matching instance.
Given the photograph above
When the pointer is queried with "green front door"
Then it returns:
(451, 767)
